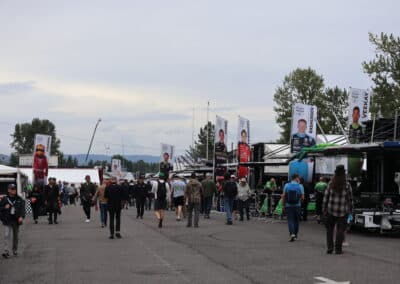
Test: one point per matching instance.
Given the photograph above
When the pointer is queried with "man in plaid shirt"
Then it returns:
(337, 205)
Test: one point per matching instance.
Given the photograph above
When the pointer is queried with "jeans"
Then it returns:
(293, 216)
(11, 230)
(207, 205)
(140, 201)
(244, 205)
(86, 208)
(340, 223)
(228, 206)
(115, 215)
(103, 213)
(196, 208)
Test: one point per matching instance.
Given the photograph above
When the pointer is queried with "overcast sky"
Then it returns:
(142, 66)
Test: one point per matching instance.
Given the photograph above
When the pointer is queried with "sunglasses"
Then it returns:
(39, 150)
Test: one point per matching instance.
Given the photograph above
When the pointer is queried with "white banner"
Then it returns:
(116, 167)
(327, 165)
(304, 126)
(45, 142)
(359, 101)
(243, 130)
(167, 149)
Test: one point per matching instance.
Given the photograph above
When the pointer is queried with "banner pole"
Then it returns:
(322, 131)
(341, 127)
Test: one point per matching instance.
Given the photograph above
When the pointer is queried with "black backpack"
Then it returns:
(161, 191)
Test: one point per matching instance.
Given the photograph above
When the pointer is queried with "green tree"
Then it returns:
(300, 86)
(199, 151)
(384, 71)
(336, 101)
(24, 136)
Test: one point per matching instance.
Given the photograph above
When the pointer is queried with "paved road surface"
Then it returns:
(249, 252)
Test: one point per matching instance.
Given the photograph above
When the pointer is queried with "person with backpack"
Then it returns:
(161, 193)
(293, 195)
(12, 214)
(193, 200)
(336, 207)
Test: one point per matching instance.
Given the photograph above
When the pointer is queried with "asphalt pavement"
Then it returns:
(257, 251)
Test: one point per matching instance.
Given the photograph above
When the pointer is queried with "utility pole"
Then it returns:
(91, 141)
(208, 129)
(193, 129)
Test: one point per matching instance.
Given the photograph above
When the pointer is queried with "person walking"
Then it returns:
(51, 200)
(209, 190)
(320, 188)
(178, 188)
(100, 196)
(244, 194)
(36, 199)
(88, 189)
(336, 207)
(12, 214)
(161, 192)
(115, 196)
(140, 193)
(229, 190)
(269, 189)
(293, 194)
(193, 200)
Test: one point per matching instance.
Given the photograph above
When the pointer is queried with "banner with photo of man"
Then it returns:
(303, 134)
(244, 150)
(45, 142)
(359, 101)
(220, 147)
(40, 165)
(304, 127)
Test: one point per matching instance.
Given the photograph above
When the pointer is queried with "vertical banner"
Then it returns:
(40, 166)
(303, 134)
(44, 141)
(220, 147)
(116, 167)
(244, 150)
(304, 127)
(359, 101)
(167, 155)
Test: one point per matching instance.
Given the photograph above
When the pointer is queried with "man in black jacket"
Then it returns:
(88, 189)
(51, 197)
(12, 214)
(230, 191)
(116, 196)
(140, 193)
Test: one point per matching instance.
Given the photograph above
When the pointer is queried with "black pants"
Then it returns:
(148, 203)
(340, 223)
(304, 211)
(52, 215)
(140, 201)
(115, 218)
(242, 206)
(86, 209)
(35, 211)
(72, 199)
(319, 199)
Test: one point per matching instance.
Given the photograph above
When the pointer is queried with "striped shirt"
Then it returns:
(338, 204)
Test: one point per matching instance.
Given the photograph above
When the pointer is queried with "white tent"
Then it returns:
(76, 176)
(7, 171)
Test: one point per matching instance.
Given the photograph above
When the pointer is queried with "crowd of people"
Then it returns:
(187, 197)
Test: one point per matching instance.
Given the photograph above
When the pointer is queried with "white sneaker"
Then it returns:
(87, 221)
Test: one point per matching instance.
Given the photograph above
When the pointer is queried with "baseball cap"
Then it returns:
(12, 186)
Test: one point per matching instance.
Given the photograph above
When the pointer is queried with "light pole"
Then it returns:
(91, 141)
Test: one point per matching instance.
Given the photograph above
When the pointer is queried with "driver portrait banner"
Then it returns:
(304, 127)
(220, 147)
(244, 150)
(358, 113)
(167, 149)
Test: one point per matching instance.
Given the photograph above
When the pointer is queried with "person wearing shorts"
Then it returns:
(178, 187)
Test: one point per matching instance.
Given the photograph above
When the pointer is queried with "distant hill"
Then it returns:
(95, 157)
